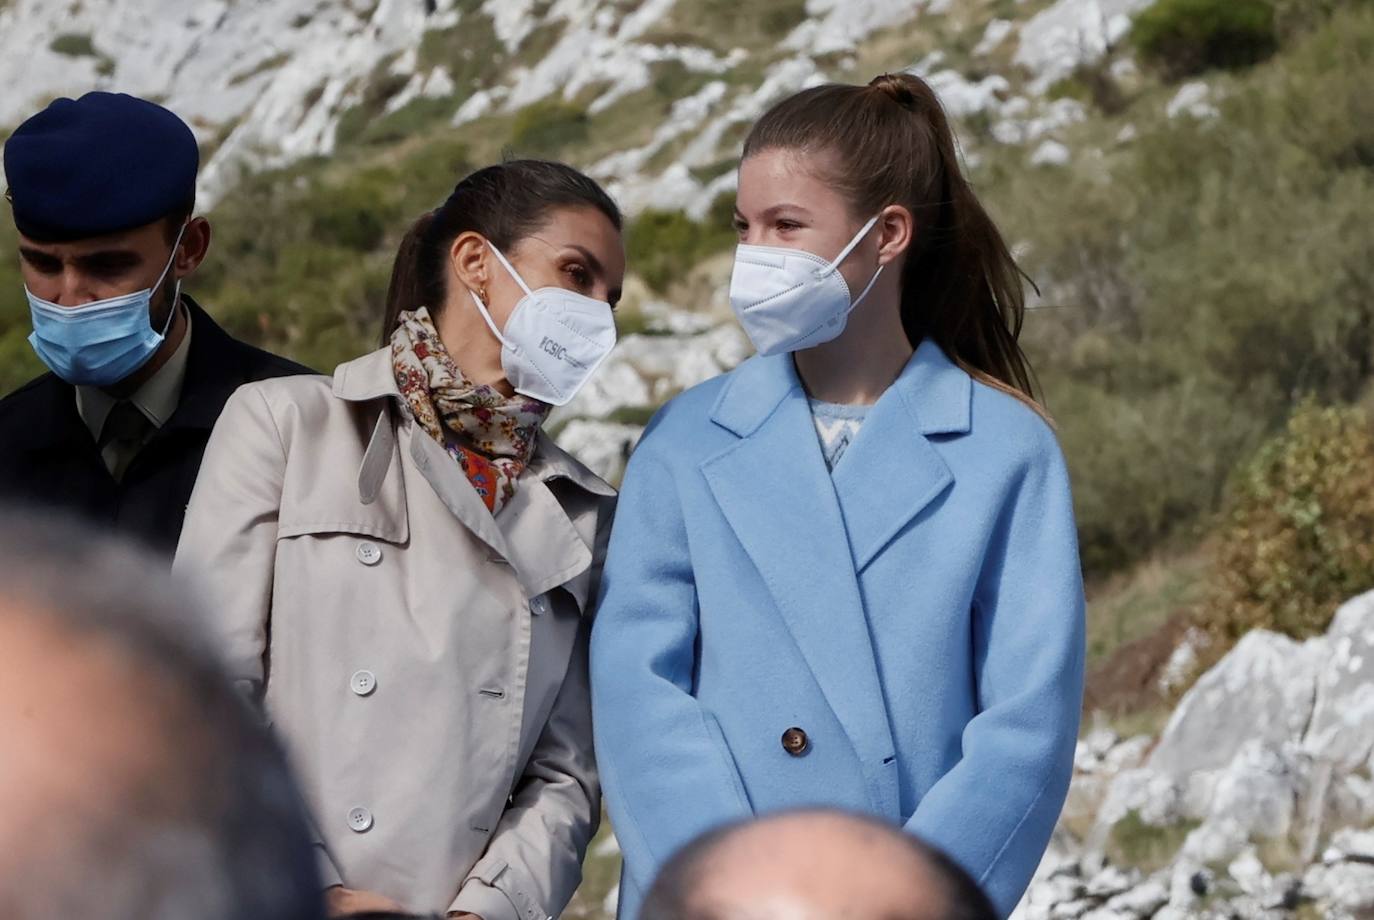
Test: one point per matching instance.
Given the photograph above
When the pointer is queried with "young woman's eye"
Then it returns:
(788, 225)
(579, 275)
(740, 226)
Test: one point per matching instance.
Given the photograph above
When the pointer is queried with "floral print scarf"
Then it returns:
(492, 436)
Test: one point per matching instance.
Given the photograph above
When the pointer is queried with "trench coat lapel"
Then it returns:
(891, 472)
(370, 378)
(534, 532)
(547, 546)
(774, 489)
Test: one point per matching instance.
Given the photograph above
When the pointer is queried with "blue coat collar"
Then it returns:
(938, 392)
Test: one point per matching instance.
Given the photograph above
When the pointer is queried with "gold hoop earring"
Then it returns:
(482, 295)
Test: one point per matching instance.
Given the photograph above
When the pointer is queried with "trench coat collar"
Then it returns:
(534, 533)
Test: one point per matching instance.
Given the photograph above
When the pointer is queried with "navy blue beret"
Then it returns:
(99, 164)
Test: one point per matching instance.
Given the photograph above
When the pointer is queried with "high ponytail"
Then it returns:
(505, 204)
(961, 288)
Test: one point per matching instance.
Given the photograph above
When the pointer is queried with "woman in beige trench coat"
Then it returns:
(402, 563)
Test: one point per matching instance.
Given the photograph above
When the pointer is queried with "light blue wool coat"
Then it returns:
(919, 616)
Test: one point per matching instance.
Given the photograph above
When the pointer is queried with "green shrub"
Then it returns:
(348, 217)
(1298, 532)
(1092, 84)
(1143, 846)
(18, 363)
(73, 45)
(1183, 37)
(547, 127)
(660, 245)
(726, 24)
(632, 415)
(1200, 277)
(381, 86)
(1293, 17)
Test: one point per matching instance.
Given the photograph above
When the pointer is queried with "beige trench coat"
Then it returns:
(424, 661)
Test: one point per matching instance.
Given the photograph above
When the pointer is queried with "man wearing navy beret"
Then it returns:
(102, 191)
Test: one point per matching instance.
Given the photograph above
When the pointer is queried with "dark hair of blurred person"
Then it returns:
(135, 782)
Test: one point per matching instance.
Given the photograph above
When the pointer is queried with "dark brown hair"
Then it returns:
(960, 285)
(505, 204)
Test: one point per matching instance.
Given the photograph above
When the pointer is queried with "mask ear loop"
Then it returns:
(510, 268)
(176, 292)
(482, 308)
(858, 238)
(858, 300)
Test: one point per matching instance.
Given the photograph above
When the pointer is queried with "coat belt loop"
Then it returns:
(377, 459)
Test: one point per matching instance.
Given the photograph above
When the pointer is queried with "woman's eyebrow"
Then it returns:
(784, 208)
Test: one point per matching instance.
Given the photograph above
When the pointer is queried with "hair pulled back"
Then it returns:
(892, 144)
(505, 203)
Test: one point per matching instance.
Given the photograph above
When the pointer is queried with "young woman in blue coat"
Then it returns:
(846, 573)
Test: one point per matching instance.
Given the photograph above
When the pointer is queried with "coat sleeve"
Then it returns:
(1028, 646)
(533, 863)
(229, 543)
(666, 775)
(229, 540)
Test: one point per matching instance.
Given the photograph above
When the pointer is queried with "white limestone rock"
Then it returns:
(1342, 727)
(1262, 690)
(993, 36)
(839, 25)
(1194, 100)
(1051, 153)
(1142, 900)
(1070, 33)
(602, 446)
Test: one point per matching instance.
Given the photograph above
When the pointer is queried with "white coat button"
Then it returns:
(369, 553)
(360, 820)
(540, 605)
(362, 682)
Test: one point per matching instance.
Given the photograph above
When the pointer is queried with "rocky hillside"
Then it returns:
(266, 84)
(1256, 800)
(1189, 182)
(651, 96)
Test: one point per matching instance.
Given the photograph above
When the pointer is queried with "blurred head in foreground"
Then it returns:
(813, 865)
(134, 781)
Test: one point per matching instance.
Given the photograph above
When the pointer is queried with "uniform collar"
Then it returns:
(937, 390)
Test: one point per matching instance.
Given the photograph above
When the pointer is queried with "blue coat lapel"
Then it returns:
(775, 491)
(891, 472)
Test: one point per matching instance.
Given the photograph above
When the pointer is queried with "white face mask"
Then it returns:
(554, 341)
(790, 299)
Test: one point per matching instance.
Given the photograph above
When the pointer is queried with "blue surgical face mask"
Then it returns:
(102, 342)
